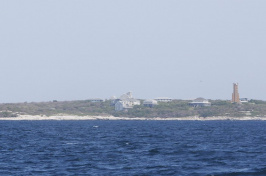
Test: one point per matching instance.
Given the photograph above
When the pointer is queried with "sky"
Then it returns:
(182, 49)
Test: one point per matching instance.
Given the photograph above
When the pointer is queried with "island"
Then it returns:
(105, 110)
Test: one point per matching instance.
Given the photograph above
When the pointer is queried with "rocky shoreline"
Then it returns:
(71, 117)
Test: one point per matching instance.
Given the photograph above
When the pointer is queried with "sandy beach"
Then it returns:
(71, 117)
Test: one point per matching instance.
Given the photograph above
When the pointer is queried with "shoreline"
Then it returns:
(69, 117)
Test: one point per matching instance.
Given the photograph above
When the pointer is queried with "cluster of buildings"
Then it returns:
(124, 102)
(127, 101)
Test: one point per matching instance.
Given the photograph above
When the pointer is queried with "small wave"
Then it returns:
(72, 143)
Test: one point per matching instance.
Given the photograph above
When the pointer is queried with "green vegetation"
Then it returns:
(176, 108)
(79, 108)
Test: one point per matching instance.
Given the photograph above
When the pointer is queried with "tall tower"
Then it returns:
(235, 95)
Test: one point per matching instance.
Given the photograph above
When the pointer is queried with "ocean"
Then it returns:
(106, 147)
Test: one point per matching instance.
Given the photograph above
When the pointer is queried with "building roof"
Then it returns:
(113, 98)
(130, 99)
(126, 96)
(200, 100)
(150, 102)
(162, 98)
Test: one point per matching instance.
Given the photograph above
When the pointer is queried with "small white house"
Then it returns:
(244, 100)
(126, 104)
(200, 102)
(163, 99)
(150, 103)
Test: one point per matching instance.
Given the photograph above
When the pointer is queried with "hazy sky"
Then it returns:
(80, 49)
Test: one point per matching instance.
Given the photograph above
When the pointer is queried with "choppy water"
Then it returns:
(133, 148)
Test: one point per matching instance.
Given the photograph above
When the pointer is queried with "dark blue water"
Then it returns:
(133, 148)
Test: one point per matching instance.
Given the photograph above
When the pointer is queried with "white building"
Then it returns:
(244, 100)
(126, 101)
(163, 99)
(150, 103)
(126, 96)
(200, 102)
(126, 104)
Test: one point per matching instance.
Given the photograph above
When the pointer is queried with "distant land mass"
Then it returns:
(175, 108)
